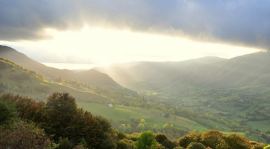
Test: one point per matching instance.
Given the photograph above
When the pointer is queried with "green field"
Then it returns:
(150, 117)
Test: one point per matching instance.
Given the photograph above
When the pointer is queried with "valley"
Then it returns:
(231, 95)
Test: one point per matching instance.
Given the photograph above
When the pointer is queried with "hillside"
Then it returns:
(233, 92)
(174, 78)
(87, 80)
(15, 79)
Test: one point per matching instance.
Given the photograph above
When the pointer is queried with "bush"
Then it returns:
(187, 139)
(65, 144)
(26, 108)
(237, 142)
(213, 139)
(163, 140)
(23, 135)
(146, 141)
(125, 144)
(7, 112)
(195, 145)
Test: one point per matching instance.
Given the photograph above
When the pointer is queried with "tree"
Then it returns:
(60, 111)
(146, 141)
(7, 112)
(65, 120)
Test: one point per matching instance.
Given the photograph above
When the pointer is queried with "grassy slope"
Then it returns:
(15, 79)
(89, 80)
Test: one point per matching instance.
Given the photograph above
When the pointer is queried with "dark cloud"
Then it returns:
(236, 21)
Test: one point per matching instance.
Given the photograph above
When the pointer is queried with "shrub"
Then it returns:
(187, 139)
(65, 144)
(178, 147)
(7, 112)
(237, 142)
(213, 139)
(26, 108)
(125, 144)
(23, 135)
(146, 141)
(195, 145)
(163, 140)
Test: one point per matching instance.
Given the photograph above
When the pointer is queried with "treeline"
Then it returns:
(59, 124)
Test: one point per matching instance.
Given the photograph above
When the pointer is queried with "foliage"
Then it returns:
(65, 144)
(72, 127)
(146, 141)
(125, 144)
(7, 112)
(163, 140)
(190, 137)
(60, 111)
(22, 135)
(60, 118)
(213, 139)
(218, 140)
(239, 142)
(195, 145)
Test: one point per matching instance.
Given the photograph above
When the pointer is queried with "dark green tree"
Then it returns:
(146, 141)
(60, 111)
(7, 112)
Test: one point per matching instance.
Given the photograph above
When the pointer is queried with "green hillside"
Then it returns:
(232, 92)
(91, 79)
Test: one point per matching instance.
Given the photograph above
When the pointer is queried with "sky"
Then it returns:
(106, 31)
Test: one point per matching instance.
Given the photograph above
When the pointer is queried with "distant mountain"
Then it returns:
(208, 72)
(158, 75)
(91, 79)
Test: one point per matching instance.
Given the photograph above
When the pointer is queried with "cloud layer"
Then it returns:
(234, 21)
